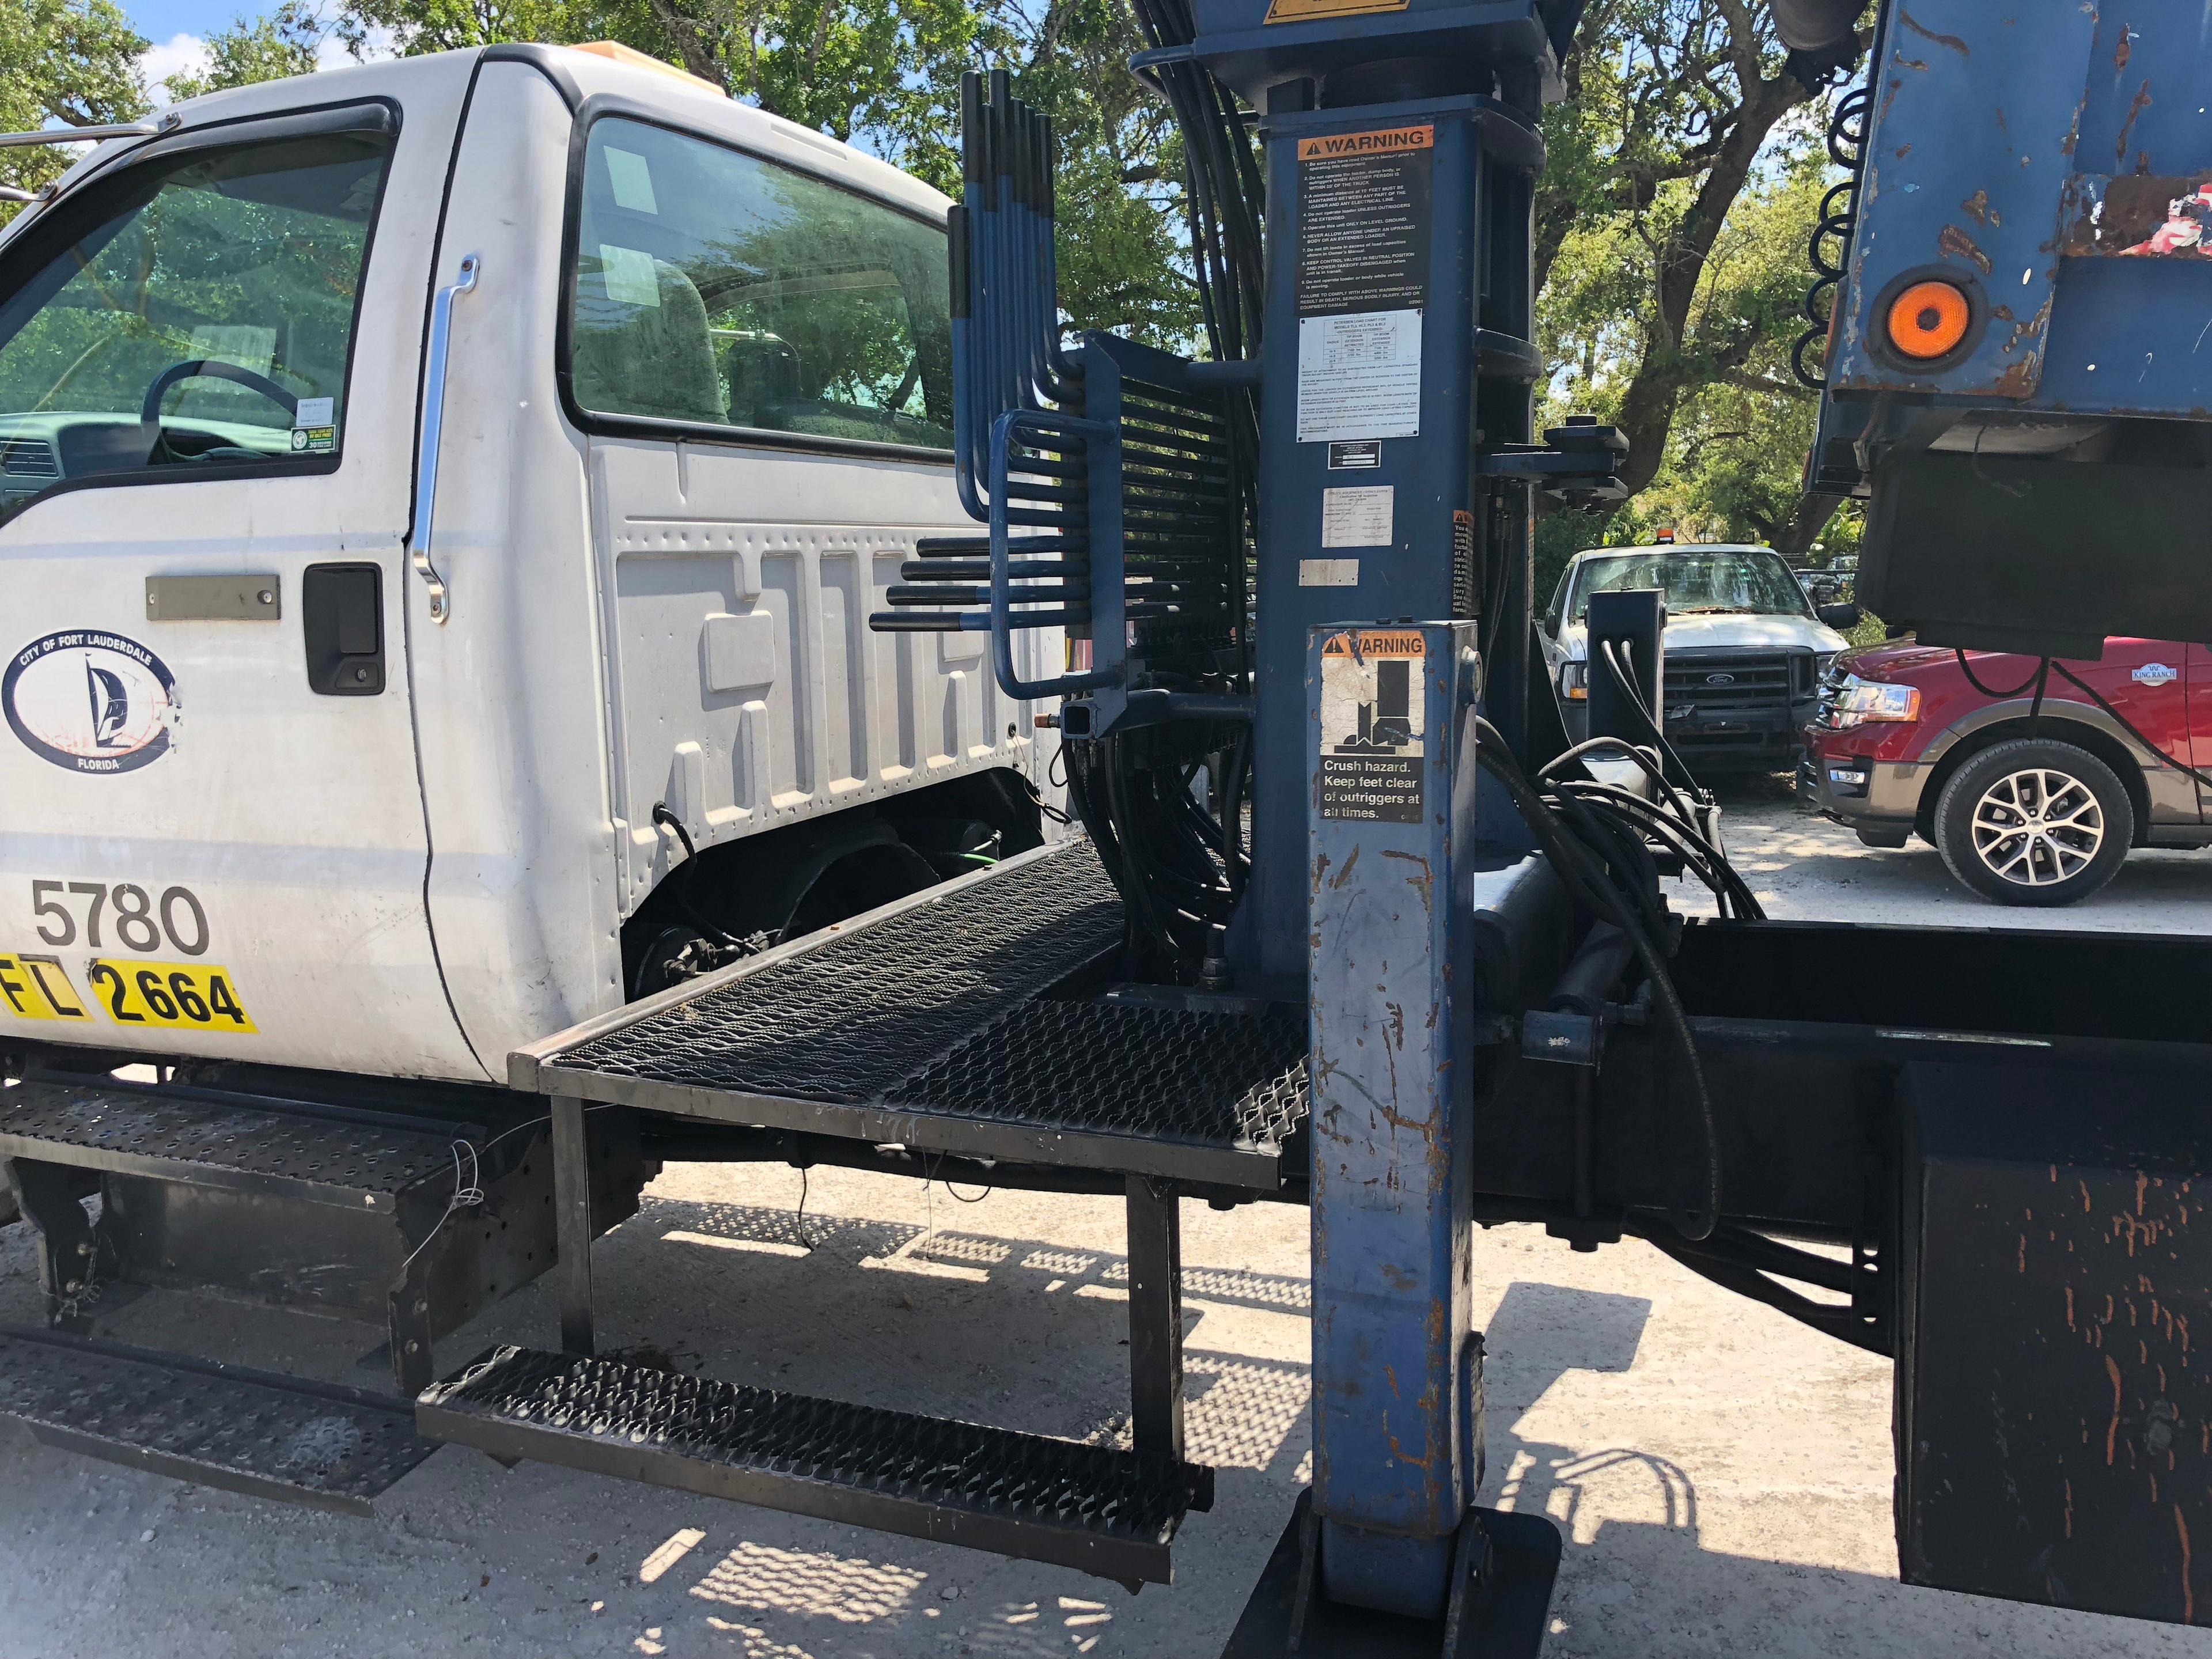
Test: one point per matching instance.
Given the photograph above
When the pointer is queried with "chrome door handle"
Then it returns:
(433, 424)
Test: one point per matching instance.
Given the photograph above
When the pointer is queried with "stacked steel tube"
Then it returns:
(1177, 486)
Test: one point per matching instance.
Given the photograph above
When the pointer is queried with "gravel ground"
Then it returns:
(1723, 1474)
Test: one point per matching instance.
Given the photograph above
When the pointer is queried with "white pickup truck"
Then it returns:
(434, 498)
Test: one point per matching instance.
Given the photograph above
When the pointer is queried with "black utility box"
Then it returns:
(2054, 1377)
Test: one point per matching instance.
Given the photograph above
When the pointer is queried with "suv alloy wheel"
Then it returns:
(2034, 821)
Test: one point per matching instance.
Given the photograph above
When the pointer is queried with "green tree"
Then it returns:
(287, 41)
(885, 75)
(1686, 173)
(63, 62)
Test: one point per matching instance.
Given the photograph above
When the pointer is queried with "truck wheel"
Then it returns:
(2032, 822)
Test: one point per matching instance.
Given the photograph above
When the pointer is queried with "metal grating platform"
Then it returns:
(843, 1016)
(216, 1425)
(924, 1024)
(1103, 1511)
(215, 1141)
(1207, 1079)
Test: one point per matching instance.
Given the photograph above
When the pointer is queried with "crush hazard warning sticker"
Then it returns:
(1374, 754)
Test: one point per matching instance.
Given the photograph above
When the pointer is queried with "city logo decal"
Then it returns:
(91, 701)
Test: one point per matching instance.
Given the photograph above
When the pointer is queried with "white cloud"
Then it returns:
(188, 54)
(377, 48)
(177, 55)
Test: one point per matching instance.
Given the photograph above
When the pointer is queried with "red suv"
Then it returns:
(2028, 804)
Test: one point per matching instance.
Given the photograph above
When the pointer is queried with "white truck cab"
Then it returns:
(435, 496)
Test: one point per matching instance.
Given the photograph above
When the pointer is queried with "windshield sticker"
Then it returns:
(315, 440)
(632, 179)
(630, 276)
(91, 701)
(315, 411)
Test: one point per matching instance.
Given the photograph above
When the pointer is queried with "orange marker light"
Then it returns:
(1928, 319)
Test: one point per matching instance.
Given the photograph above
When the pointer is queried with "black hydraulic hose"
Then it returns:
(1627, 683)
(678, 891)
(1583, 868)
(2042, 669)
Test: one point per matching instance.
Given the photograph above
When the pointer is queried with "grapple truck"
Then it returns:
(1351, 923)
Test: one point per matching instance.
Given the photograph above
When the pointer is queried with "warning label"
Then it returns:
(1364, 202)
(1301, 11)
(1364, 220)
(1373, 752)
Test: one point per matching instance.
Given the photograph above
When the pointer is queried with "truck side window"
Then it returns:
(196, 313)
(712, 286)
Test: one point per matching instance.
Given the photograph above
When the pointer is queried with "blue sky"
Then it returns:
(177, 27)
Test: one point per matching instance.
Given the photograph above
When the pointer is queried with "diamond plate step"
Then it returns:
(925, 1023)
(1097, 1509)
(349, 1159)
(319, 1444)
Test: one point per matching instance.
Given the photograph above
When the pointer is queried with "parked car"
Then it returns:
(1745, 650)
(2027, 805)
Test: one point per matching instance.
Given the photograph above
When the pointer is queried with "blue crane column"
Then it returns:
(1397, 353)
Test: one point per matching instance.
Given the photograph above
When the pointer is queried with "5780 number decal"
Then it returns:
(176, 995)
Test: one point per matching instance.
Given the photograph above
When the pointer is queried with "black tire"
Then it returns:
(2052, 863)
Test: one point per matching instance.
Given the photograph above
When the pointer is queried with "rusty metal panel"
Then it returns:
(1396, 1375)
(2145, 216)
(1976, 109)
(2054, 1397)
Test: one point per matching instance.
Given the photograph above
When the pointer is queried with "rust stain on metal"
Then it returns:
(1977, 205)
(2112, 1431)
(1350, 865)
(1422, 884)
(1954, 243)
(2188, 1594)
(1950, 41)
(2124, 51)
(2127, 129)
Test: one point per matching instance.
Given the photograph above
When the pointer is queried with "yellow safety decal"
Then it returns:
(37, 987)
(178, 996)
(1380, 141)
(1302, 11)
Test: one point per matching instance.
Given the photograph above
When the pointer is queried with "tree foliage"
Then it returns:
(1686, 168)
(63, 62)
(287, 41)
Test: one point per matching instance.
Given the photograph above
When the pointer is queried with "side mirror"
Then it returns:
(1841, 618)
(1552, 623)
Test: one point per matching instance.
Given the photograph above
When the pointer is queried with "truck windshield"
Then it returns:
(713, 287)
(198, 314)
(1698, 581)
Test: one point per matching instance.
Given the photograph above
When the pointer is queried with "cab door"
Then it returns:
(213, 842)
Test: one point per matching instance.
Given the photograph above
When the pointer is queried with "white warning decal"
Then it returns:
(1374, 756)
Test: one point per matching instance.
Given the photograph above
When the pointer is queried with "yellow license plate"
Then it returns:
(37, 987)
(177, 996)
